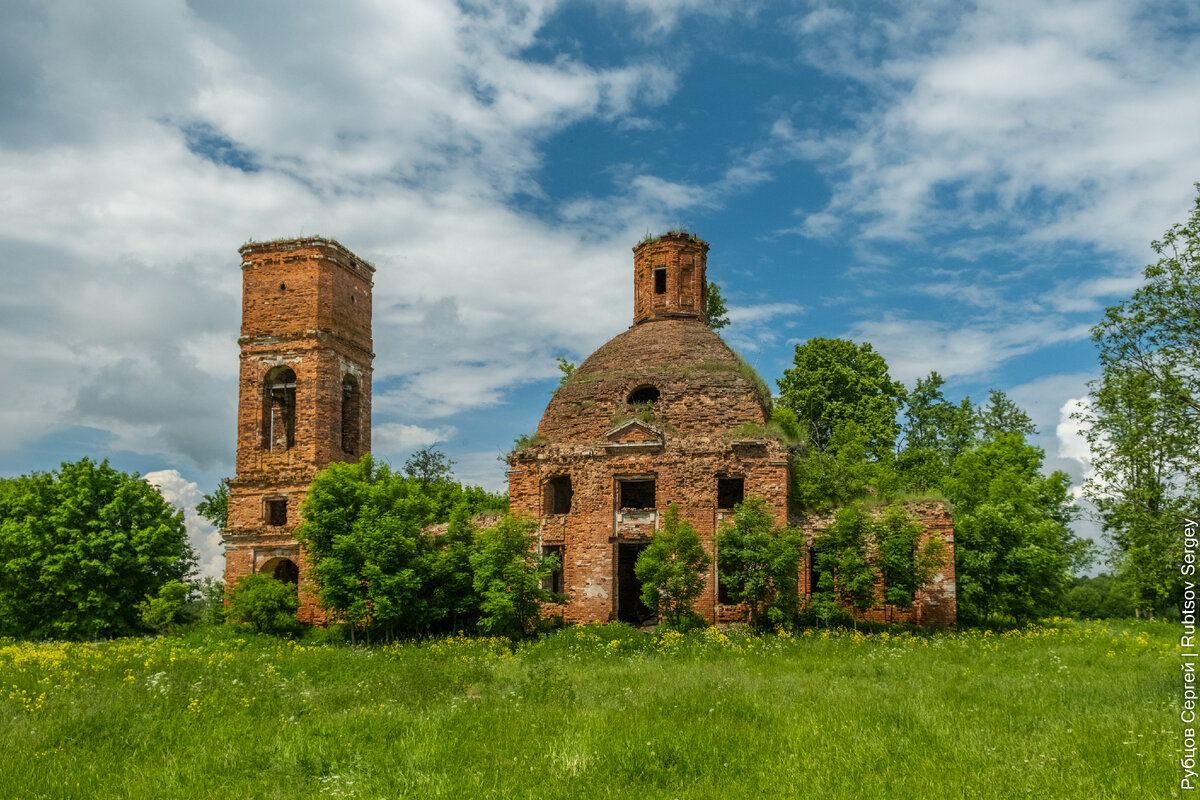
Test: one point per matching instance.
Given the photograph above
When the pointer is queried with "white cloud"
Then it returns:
(741, 315)
(1072, 433)
(915, 347)
(393, 438)
(154, 139)
(205, 539)
(1058, 121)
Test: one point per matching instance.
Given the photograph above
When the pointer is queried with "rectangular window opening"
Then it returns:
(554, 581)
(660, 280)
(723, 592)
(557, 495)
(637, 494)
(730, 492)
(276, 510)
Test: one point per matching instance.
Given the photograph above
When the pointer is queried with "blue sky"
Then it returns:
(964, 186)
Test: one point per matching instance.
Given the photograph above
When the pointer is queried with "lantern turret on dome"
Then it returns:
(669, 277)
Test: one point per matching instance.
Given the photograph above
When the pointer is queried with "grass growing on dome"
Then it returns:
(760, 386)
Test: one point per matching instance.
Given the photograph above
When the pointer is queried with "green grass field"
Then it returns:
(1062, 710)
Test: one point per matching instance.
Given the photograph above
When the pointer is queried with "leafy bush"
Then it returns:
(266, 604)
(670, 571)
(372, 559)
(169, 610)
(508, 577)
(759, 563)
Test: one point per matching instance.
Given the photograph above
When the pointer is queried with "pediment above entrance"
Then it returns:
(634, 434)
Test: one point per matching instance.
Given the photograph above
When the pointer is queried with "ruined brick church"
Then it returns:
(663, 413)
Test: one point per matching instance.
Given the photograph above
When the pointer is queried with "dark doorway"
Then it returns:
(630, 607)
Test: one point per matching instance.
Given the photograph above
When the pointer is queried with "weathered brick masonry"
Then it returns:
(304, 398)
(936, 604)
(665, 413)
(701, 444)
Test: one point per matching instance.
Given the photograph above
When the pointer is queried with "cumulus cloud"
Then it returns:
(205, 539)
(143, 144)
(913, 347)
(996, 113)
(394, 438)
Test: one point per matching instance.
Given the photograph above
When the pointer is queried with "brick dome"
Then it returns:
(695, 386)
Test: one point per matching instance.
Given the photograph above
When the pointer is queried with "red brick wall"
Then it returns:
(306, 304)
(936, 604)
(684, 473)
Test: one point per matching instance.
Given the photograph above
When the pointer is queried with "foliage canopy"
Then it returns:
(81, 548)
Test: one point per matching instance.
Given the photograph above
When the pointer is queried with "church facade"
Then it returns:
(663, 413)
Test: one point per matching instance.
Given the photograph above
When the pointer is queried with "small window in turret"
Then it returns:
(660, 280)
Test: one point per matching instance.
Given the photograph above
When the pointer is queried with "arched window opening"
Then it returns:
(286, 571)
(279, 409)
(642, 395)
(283, 570)
(351, 414)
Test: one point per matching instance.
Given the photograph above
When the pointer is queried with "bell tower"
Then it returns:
(304, 398)
(668, 278)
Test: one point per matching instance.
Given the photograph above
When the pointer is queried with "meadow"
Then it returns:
(1061, 709)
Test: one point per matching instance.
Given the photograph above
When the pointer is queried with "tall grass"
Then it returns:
(1059, 710)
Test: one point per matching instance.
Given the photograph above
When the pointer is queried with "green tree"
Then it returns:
(846, 404)
(371, 555)
(363, 533)
(80, 548)
(508, 576)
(904, 563)
(267, 605)
(1157, 333)
(215, 507)
(759, 563)
(936, 432)
(429, 465)
(716, 315)
(1138, 485)
(451, 578)
(670, 570)
(170, 609)
(843, 473)
(835, 381)
(1145, 418)
(843, 567)
(1014, 552)
(1001, 415)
